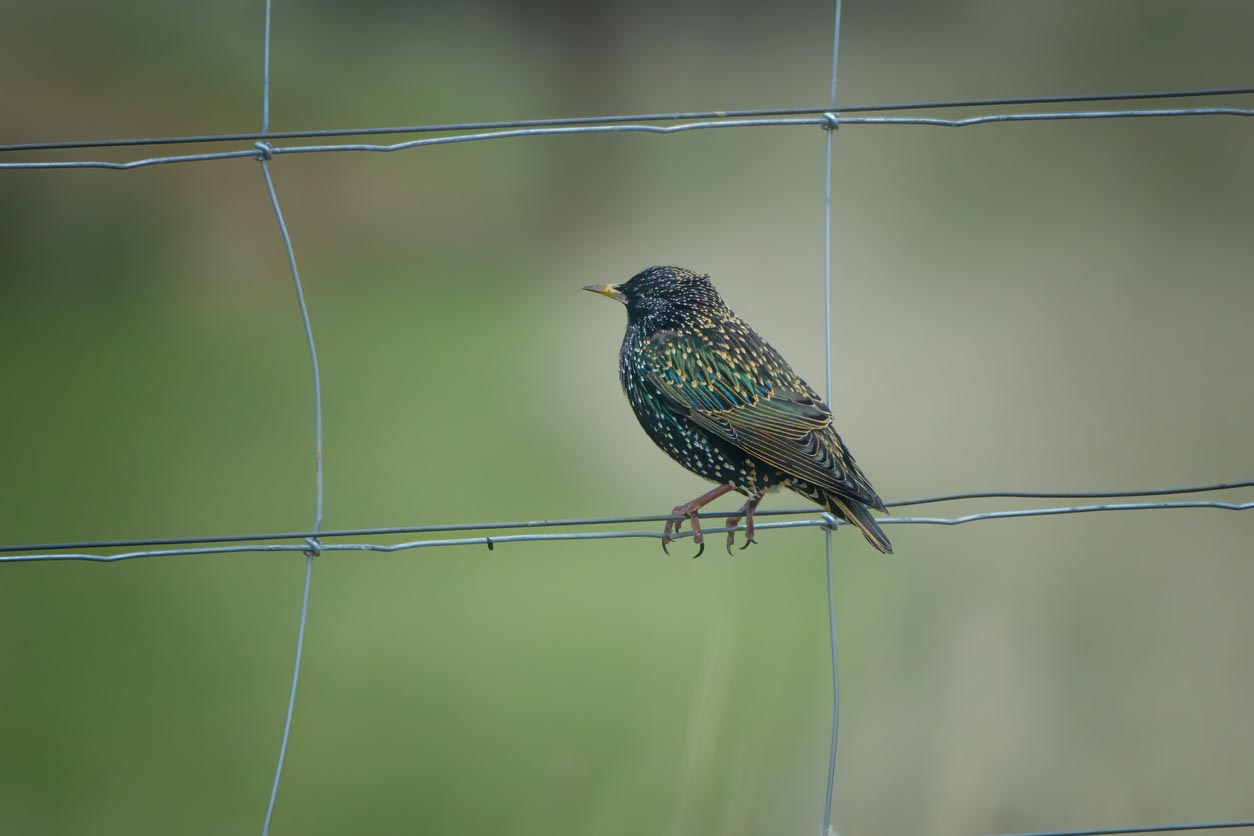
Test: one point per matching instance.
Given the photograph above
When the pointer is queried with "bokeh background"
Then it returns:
(1054, 305)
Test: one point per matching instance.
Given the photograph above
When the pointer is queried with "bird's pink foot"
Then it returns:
(745, 511)
(689, 510)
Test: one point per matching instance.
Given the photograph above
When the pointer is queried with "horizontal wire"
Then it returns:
(829, 120)
(638, 117)
(488, 526)
(1160, 828)
(1218, 486)
(826, 521)
(1039, 117)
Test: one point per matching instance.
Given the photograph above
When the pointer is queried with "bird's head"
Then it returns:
(666, 297)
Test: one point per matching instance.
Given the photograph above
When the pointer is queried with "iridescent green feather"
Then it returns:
(736, 385)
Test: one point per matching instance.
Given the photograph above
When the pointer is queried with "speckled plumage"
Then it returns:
(724, 404)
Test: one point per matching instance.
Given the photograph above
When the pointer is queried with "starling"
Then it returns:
(724, 404)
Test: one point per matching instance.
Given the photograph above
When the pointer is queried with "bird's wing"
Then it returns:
(732, 383)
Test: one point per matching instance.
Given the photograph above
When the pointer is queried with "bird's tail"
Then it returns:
(857, 513)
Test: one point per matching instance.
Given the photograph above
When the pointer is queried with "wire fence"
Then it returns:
(264, 150)
(830, 117)
(816, 518)
(636, 117)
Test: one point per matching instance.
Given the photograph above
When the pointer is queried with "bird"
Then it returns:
(722, 402)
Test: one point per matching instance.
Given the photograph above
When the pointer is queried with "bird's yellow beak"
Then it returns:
(610, 290)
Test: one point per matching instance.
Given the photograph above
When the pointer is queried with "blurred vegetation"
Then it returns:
(1019, 306)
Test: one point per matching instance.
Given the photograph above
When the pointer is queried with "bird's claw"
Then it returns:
(674, 525)
(746, 514)
(671, 527)
(731, 541)
(697, 536)
(732, 524)
(689, 510)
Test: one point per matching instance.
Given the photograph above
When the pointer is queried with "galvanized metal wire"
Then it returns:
(675, 116)
(1159, 828)
(827, 357)
(313, 547)
(657, 518)
(239, 544)
(829, 117)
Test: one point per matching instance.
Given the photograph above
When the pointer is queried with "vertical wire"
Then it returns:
(313, 543)
(827, 340)
(314, 548)
(265, 76)
(831, 626)
(309, 341)
(291, 698)
(827, 214)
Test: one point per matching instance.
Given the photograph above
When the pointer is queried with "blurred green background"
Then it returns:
(1055, 305)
